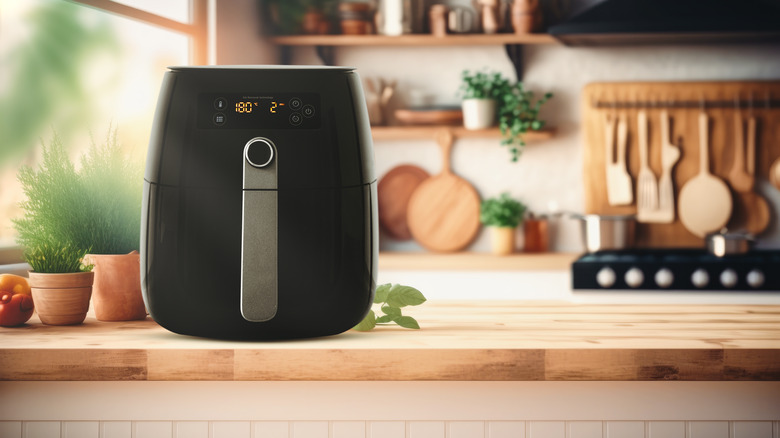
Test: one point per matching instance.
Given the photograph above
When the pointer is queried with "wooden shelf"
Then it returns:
(471, 261)
(413, 40)
(426, 132)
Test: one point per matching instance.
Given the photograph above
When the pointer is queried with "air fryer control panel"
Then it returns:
(253, 110)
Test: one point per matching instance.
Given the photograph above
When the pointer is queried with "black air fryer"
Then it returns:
(259, 216)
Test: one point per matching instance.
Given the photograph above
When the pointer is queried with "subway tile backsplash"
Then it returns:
(389, 429)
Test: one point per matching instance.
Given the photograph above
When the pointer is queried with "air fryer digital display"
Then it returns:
(259, 110)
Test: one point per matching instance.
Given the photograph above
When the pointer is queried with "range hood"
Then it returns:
(621, 22)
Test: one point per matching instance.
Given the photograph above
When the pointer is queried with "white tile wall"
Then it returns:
(506, 429)
(80, 429)
(152, 429)
(41, 429)
(547, 429)
(585, 429)
(11, 429)
(708, 429)
(271, 429)
(116, 429)
(666, 429)
(389, 429)
(309, 429)
(467, 429)
(348, 429)
(752, 429)
(426, 429)
(625, 429)
(230, 429)
(189, 429)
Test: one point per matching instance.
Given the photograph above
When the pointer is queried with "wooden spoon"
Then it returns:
(751, 210)
(705, 201)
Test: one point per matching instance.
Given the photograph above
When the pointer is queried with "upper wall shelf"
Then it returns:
(425, 132)
(413, 40)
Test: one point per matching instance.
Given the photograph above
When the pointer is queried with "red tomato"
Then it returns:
(16, 304)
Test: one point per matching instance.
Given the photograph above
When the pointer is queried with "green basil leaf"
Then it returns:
(407, 322)
(380, 296)
(391, 311)
(401, 296)
(384, 319)
(368, 323)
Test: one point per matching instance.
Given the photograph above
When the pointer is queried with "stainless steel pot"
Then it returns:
(600, 232)
(724, 243)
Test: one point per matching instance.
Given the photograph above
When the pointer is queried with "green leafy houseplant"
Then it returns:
(482, 85)
(518, 111)
(391, 298)
(69, 212)
(517, 114)
(502, 211)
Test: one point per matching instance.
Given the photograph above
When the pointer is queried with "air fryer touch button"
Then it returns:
(308, 110)
(259, 152)
(295, 119)
(259, 228)
(295, 104)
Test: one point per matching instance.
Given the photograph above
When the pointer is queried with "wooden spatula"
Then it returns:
(670, 154)
(619, 187)
(705, 201)
(647, 185)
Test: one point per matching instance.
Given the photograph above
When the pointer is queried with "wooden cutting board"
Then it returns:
(394, 190)
(443, 213)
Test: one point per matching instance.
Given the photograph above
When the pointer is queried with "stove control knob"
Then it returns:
(634, 277)
(605, 277)
(728, 278)
(700, 278)
(664, 278)
(755, 278)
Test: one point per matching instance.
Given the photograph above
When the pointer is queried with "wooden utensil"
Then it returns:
(620, 190)
(670, 154)
(443, 213)
(774, 173)
(393, 193)
(751, 210)
(647, 185)
(739, 177)
(705, 201)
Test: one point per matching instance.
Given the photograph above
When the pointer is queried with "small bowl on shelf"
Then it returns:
(430, 115)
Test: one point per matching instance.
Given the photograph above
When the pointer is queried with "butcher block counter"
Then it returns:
(459, 341)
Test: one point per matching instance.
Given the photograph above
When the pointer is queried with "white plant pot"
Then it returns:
(479, 113)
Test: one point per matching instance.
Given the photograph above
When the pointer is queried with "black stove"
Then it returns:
(678, 269)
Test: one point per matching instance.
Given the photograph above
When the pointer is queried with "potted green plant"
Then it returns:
(517, 114)
(502, 215)
(480, 92)
(111, 226)
(61, 284)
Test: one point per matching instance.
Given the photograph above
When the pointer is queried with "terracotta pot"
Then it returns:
(117, 288)
(61, 299)
(502, 240)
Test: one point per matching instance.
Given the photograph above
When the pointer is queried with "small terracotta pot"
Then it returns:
(502, 240)
(61, 299)
(117, 288)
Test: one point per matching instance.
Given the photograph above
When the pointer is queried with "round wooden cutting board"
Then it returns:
(394, 190)
(443, 213)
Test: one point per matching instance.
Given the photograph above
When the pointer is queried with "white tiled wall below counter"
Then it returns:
(389, 429)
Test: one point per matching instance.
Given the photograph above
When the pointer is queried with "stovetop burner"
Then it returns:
(678, 269)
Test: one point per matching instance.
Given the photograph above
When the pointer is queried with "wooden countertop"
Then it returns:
(461, 340)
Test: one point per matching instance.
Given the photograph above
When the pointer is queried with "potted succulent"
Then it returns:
(517, 114)
(502, 215)
(61, 284)
(481, 92)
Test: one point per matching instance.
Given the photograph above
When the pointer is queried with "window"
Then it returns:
(80, 69)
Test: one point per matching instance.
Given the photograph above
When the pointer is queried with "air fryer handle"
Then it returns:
(259, 243)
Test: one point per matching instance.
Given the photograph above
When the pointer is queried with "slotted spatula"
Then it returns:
(647, 185)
